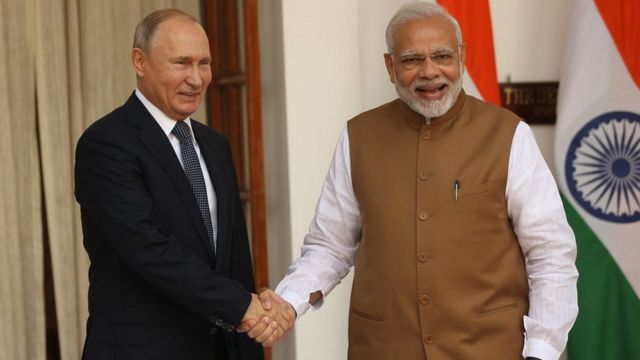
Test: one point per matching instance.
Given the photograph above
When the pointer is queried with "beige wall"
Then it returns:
(529, 39)
(322, 64)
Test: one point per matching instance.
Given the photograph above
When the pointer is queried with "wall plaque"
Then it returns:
(535, 102)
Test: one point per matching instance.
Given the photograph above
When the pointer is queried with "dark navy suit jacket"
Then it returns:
(156, 290)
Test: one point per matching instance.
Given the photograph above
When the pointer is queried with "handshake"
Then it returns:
(268, 318)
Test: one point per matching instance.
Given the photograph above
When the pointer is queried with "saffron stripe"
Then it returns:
(622, 18)
(474, 18)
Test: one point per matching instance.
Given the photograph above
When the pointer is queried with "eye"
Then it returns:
(412, 59)
(181, 61)
(442, 58)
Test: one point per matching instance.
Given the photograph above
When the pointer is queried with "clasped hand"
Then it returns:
(268, 318)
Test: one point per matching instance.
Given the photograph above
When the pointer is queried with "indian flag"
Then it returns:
(598, 156)
(474, 18)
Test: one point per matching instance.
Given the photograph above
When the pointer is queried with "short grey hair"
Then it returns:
(146, 29)
(418, 10)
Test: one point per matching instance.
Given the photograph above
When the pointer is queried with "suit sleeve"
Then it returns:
(111, 191)
(241, 268)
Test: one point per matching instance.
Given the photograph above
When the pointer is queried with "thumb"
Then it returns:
(265, 299)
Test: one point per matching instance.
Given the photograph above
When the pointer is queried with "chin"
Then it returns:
(430, 108)
(427, 108)
(185, 112)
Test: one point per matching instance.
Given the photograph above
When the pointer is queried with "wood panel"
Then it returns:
(256, 148)
(235, 109)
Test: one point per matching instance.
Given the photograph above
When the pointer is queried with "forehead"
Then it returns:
(425, 35)
(181, 36)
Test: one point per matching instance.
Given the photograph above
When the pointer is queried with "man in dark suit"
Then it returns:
(170, 274)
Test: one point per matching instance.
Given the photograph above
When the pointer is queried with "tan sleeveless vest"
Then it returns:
(435, 277)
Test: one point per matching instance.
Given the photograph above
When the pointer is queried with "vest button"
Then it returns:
(425, 299)
(426, 135)
(424, 175)
(423, 216)
(428, 339)
(424, 257)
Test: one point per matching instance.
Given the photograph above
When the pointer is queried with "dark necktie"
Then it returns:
(193, 171)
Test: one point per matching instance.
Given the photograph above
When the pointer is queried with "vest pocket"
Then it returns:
(472, 190)
(365, 315)
(497, 310)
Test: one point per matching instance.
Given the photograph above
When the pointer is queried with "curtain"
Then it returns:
(22, 327)
(63, 65)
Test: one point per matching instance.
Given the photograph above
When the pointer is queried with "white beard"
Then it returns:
(430, 108)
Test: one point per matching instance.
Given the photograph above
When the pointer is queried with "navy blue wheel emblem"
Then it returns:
(603, 167)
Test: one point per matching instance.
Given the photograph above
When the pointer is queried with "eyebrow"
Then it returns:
(410, 52)
(189, 58)
(180, 58)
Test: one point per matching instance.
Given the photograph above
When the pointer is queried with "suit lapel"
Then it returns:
(154, 139)
(212, 153)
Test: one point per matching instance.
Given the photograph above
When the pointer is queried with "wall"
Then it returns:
(529, 40)
(322, 64)
(306, 105)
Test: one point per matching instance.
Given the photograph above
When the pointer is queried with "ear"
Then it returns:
(463, 53)
(138, 59)
(388, 62)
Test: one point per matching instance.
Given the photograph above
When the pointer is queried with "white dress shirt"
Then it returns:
(167, 124)
(535, 209)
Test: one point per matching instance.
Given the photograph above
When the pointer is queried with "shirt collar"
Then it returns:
(165, 122)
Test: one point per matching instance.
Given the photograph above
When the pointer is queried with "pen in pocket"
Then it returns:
(456, 187)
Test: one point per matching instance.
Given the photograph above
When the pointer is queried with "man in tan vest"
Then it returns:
(449, 214)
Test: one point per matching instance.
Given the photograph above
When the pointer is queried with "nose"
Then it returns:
(195, 78)
(429, 69)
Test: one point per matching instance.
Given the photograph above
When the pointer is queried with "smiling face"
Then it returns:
(174, 75)
(426, 65)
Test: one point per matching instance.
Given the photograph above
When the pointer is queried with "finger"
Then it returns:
(286, 327)
(260, 327)
(289, 314)
(282, 323)
(271, 329)
(286, 316)
(272, 340)
(246, 326)
(275, 335)
(265, 299)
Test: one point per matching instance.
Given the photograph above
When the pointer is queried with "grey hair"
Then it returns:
(418, 10)
(147, 27)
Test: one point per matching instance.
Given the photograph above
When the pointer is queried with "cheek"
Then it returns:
(405, 78)
(452, 74)
(170, 82)
(206, 77)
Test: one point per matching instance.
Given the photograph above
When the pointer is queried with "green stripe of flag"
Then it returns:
(608, 324)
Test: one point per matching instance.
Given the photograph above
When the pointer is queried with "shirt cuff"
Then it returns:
(300, 305)
(539, 349)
